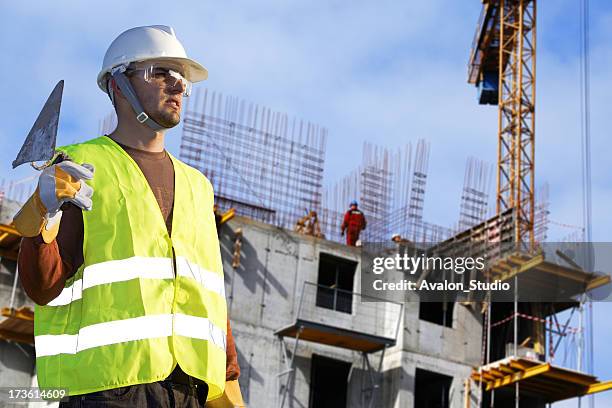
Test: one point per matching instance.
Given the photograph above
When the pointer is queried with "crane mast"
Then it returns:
(502, 66)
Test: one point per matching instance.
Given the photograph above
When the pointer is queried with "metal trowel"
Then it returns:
(40, 142)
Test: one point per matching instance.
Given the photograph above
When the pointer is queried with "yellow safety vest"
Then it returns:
(130, 314)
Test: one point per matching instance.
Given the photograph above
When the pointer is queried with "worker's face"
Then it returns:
(160, 95)
(353, 207)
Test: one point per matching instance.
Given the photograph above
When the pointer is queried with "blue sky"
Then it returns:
(386, 72)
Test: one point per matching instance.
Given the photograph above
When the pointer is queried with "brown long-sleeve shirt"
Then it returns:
(44, 268)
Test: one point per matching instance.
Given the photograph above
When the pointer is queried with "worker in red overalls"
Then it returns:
(354, 221)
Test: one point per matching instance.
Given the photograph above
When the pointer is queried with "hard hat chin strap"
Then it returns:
(128, 91)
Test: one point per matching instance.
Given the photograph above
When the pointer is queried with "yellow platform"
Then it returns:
(9, 242)
(538, 275)
(335, 336)
(18, 325)
(538, 379)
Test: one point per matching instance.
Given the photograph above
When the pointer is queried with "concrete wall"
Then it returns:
(263, 296)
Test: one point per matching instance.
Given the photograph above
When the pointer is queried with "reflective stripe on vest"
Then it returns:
(138, 267)
(138, 328)
(130, 314)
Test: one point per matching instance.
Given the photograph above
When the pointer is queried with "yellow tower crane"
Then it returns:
(502, 66)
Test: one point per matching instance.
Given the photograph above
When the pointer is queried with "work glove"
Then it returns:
(58, 184)
(231, 398)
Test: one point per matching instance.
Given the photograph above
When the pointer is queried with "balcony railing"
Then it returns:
(350, 311)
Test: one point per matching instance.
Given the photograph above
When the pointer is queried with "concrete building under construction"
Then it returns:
(303, 331)
(307, 332)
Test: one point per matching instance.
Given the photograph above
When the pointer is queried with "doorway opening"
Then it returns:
(328, 382)
(431, 390)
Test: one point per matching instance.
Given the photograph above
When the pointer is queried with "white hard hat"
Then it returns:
(396, 235)
(156, 42)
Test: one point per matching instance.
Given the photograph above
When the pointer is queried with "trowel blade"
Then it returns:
(40, 142)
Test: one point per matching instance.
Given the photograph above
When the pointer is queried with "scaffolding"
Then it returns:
(502, 66)
(371, 183)
(417, 193)
(475, 194)
(270, 168)
(543, 381)
(260, 162)
(527, 339)
(376, 194)
(390, 186)
(540, 227)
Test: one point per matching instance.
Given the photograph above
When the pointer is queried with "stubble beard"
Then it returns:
(167, 119)
(163, 115)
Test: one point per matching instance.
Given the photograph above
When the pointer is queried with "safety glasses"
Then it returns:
(162, 75)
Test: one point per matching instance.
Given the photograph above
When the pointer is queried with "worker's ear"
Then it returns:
(115, 88)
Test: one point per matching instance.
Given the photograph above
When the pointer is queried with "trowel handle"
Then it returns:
(57, 158)
(60, 157)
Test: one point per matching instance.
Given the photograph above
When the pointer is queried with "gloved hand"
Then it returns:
(231, 398)
(60, 183)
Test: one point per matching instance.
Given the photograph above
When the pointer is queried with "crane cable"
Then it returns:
(585, 133)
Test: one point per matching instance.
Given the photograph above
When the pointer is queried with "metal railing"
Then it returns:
(348, 310)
